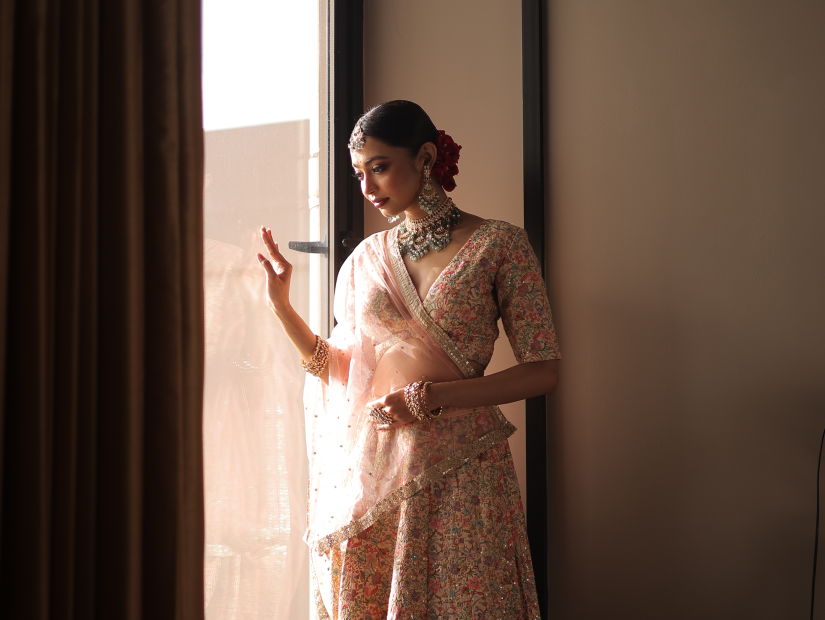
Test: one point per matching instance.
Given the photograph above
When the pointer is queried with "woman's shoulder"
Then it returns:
(371, 240)
(496, 235)
(501, 226)
(378, 237)
(374, 242)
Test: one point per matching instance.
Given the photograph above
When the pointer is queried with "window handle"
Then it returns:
(310, 247)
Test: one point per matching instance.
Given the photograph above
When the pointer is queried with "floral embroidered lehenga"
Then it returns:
(424, 520)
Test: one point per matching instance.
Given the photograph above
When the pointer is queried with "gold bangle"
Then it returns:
(320, 356)
(433, 413)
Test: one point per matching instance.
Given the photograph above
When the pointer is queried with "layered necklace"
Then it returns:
(432, 232)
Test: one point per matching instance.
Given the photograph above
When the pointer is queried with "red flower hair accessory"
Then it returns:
(445, 167)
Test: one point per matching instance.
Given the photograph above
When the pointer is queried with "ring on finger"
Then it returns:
(381, 415)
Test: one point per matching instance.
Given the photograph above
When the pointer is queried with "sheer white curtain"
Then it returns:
(261, 111)
(254, 456)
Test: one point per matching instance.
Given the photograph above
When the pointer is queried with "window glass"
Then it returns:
(264, 86)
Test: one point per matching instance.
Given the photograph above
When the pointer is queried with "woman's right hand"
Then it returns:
(277, 275)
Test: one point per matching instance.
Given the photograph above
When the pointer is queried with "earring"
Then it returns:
(427, 199)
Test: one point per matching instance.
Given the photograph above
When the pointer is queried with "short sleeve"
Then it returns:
(523, 304)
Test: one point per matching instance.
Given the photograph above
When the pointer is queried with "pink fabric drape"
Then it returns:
(356, 472)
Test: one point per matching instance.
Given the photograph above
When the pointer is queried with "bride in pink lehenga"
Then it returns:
(414, 507)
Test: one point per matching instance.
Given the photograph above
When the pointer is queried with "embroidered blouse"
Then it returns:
(495, 274)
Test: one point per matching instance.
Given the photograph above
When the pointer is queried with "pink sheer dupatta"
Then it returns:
(383, 340)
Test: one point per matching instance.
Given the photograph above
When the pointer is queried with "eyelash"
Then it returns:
(376, 170)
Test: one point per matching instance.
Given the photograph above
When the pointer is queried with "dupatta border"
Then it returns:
(434, 472)
(418, 310)
(320, 606)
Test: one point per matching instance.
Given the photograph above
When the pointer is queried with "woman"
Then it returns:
(414, 507)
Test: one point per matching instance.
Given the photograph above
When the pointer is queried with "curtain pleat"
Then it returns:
(101, 309)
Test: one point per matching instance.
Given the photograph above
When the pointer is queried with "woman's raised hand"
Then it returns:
(278, 272)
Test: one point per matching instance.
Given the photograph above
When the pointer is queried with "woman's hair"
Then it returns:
(397, 123)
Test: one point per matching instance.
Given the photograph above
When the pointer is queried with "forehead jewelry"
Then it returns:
(357, 139)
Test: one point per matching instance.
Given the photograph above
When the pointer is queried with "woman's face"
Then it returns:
(390, 177)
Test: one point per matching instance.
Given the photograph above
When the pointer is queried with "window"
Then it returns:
(265, 110)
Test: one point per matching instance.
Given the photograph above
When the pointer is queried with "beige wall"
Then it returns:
(467, 74)
(687, 203)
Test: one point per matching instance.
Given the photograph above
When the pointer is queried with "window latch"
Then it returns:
(310, 247)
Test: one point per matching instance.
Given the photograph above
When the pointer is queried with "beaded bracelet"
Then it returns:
(415, 397)
(320, 356)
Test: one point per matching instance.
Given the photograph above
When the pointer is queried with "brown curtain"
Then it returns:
(101, 306)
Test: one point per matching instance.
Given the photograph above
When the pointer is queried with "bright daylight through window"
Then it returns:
(264, 72)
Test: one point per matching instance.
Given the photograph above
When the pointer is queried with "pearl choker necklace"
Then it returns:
(431, 232)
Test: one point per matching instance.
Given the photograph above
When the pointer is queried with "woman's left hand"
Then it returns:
(393, 403)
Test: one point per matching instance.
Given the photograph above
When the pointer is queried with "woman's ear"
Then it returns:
(426, 155)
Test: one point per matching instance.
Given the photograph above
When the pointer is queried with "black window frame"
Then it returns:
(345, 106)
(536, 217)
